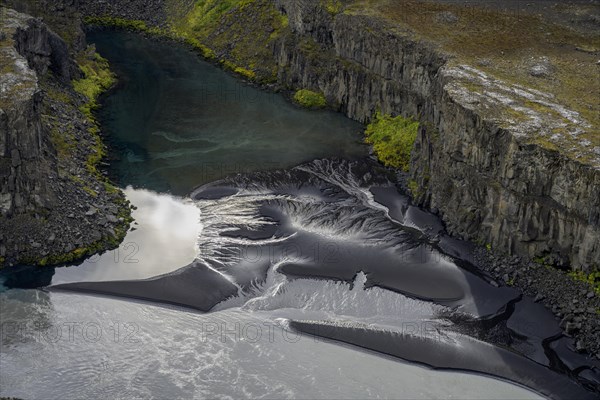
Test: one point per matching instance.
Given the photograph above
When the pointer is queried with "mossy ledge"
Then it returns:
(592, 279)
(309, 99)
(393, 139)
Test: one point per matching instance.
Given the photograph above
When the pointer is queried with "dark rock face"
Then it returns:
(150, 11)
(520, 198)
(23, 166)
(31, 50)
(487, 184)
(44, 50)
(60, 15)
(21, 146)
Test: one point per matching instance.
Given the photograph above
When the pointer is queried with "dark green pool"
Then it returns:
(176, 121)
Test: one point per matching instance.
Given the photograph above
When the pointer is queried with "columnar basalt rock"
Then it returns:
(24, 164)
(487, 182)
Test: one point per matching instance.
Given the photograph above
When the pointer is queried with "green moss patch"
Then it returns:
(413, 186)
(207, 13)
(241, 71)
(593, 279)
(97, 79)
(246, 73)
(309, 99)
(332, 6)
(122, 23)
(239, 32)
(63, 144)
(392, 139)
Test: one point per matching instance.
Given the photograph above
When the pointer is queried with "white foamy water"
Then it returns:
(92, 347)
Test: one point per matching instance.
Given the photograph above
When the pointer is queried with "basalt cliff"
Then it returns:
(481, 172)
(504, 162)
(55, 206)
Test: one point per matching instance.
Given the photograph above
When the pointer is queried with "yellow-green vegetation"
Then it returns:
(85, 188)
(97, 152)
(509, 40)
(333, 6)
(69, 257)
(413, 186)
(243, 72)
(122, 23)
(309, 99)
(63, 146)
(97, 79)
(58, 95)
(240, 32)
(593, 279)
(63, 142)
(540, 260)
(205, 51)
(207, 13)
(392, 139)
(246, 73)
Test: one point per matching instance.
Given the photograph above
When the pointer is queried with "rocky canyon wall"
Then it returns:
(24, 144)
(55, 207)
(486, 182)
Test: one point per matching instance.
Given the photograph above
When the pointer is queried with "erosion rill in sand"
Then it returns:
(508, 148)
